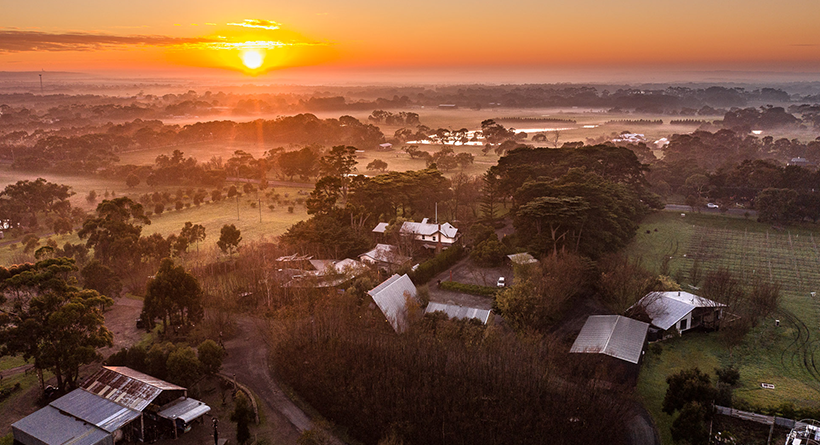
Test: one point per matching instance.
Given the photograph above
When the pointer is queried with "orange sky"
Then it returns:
(187, 36)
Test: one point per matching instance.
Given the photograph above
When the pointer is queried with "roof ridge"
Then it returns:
(611, 331)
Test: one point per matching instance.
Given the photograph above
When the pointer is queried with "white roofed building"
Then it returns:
(459, 312)
(384, 256)
(431, 235)
(391, 297)
(612, 335)
(680, 309)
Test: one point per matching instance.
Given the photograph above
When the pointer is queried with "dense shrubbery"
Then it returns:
(444, 382)
(439, 263)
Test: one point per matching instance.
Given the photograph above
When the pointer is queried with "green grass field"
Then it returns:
(253, 224)
(784, 356)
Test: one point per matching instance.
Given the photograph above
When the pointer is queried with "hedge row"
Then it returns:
(472, 289)
(436, 265)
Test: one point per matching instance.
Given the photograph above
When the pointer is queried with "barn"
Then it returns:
(116, 403)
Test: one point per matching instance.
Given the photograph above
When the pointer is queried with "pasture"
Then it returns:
(250, 213)
(786, 356)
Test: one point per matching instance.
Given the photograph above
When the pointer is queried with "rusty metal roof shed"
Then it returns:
(127, 387)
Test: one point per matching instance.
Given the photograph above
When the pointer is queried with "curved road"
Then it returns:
(247, 359)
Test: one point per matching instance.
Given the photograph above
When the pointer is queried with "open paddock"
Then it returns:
(787, 355)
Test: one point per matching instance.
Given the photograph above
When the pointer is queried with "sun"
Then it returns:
(252, 59)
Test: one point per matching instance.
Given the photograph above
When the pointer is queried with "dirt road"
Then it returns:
(248, 360)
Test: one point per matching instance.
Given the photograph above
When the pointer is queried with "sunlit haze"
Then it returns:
(423, 41)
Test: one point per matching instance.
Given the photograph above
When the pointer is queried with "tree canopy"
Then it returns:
(229, 239)
(173, 295)
(55, 323)
(115, 232)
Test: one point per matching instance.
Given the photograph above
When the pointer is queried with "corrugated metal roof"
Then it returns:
(613, 335)
(380, 227)
(384, 253)
(459, 312)
(667, 308)
(49, 426)
(391, 298)
(95, 410)
(427, 229)
(184, 408)
(127, 387)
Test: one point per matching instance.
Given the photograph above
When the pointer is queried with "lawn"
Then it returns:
(9, 361)
(784, 355)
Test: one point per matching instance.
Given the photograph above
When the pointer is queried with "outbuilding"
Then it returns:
(116, 403)
(680, 309)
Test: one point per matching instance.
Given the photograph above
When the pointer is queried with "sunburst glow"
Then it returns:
(252, 59)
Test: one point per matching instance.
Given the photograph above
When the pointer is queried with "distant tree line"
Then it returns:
(91, 150)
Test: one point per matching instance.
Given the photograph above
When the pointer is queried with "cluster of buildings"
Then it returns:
(624, 338)
(116, 403)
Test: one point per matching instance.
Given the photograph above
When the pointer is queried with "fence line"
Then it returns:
(755, 417)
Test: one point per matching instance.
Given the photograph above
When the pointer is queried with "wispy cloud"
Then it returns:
(14, 41)
(257, 23)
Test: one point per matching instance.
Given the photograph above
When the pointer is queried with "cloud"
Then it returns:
(257, 23)
(14, 41)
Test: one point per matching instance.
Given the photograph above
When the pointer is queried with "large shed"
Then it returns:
(459, 312)
(613, 335)
(50, 426)
(680, 309)
(113, 404)
(391, 297)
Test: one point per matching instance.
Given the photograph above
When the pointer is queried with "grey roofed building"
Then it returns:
(185, 409)
(100, 412)
(613, 335)
(459, 312)
(50, 426)
(680, 309)
(380, 227)
(109, 407)
(391, 297)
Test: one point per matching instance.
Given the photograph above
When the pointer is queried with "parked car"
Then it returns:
(500, 282)
(712, 205)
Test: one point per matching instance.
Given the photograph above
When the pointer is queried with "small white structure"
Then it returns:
(384, 256)
(522, 258)
(680, 309)
(346, 266)
(380, 228)
(391, 297)
(459, 312)
(613, 335)
(386, 146)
